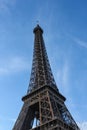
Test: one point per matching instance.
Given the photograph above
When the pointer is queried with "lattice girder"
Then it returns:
(41, 73)
(44, 102)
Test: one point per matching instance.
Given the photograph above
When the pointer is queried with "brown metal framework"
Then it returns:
(41, 73)
(43, 101)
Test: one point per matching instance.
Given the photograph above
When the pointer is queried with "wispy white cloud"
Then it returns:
(77, 40)
(6, 4)
(83, 125)
(63, 76)
(80, 42)
(7, 119)
(12, 65)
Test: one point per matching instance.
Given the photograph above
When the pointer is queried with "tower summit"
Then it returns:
(44, 107)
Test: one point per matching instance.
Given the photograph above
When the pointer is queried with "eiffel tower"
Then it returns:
(44, 106)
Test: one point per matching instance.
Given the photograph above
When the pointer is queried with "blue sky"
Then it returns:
(65, 34)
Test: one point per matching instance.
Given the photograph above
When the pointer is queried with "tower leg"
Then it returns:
(25, 118)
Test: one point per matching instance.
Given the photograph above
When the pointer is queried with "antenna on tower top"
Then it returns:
(37, 22)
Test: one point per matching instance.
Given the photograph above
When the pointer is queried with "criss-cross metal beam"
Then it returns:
(43, 100)
(41, 73)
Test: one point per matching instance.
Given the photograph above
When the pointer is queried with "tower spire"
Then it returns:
(41, 73)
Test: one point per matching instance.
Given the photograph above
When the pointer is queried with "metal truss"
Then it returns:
(43, 101)
(41, 73)
(47, 106)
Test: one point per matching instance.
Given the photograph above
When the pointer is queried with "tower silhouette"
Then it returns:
(44, 107)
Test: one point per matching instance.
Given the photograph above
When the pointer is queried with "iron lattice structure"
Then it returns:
(44, 106)
(41, 73)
